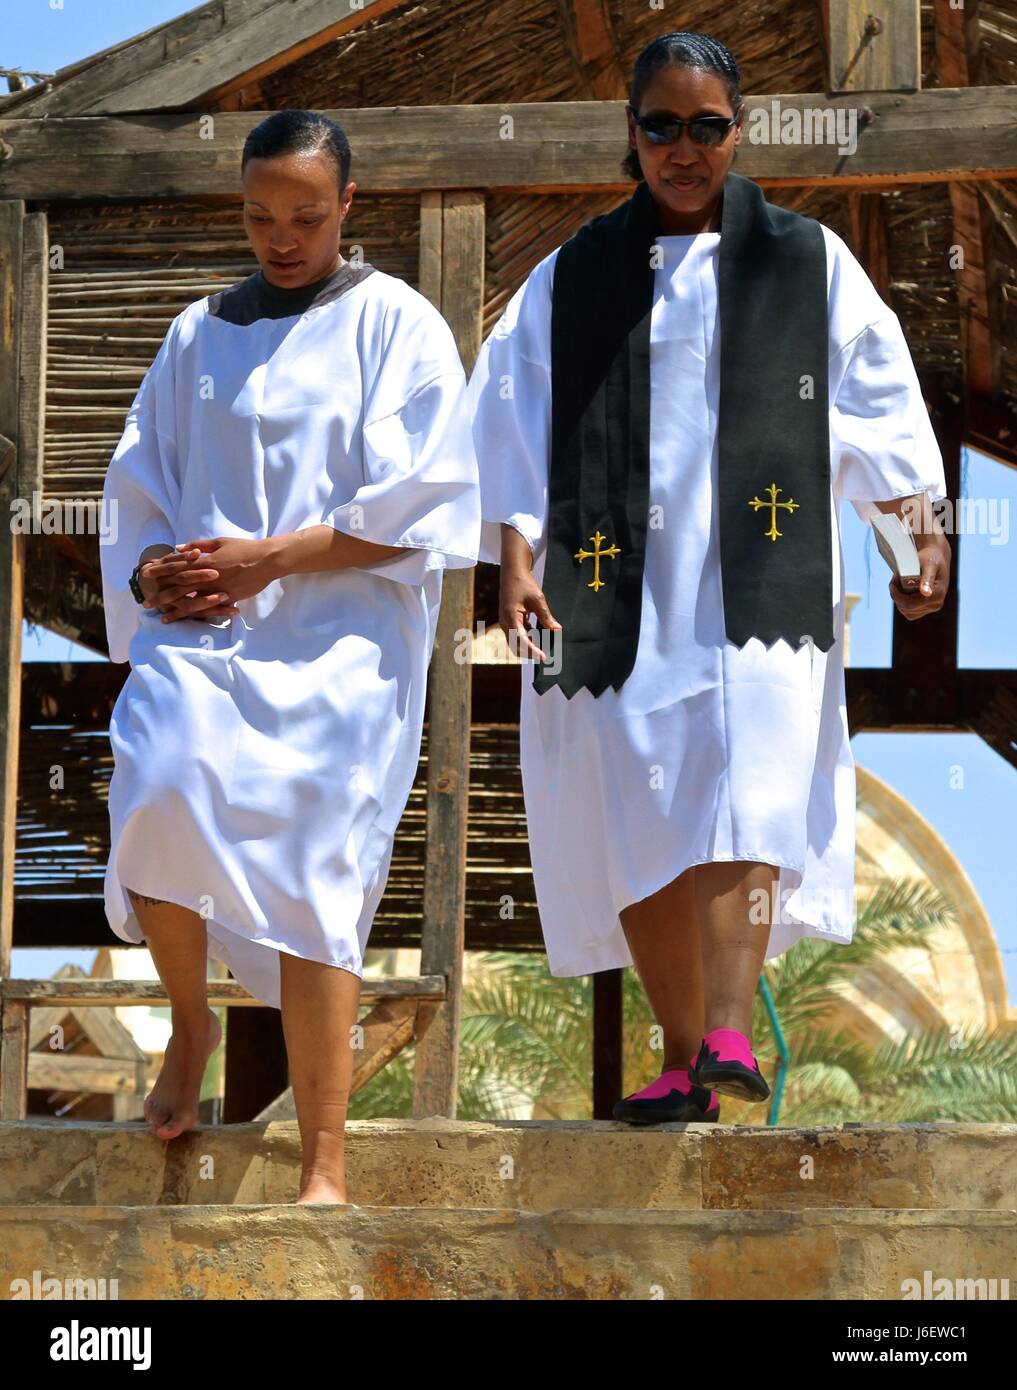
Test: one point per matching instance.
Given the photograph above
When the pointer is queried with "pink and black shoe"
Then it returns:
(726, 1064)
(669, 1099)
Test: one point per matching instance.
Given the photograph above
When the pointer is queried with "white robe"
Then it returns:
(708, 751)
(262, 764)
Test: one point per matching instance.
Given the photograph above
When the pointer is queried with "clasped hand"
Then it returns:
(184, 584)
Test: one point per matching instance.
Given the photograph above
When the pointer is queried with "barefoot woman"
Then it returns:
(665, 418)
(295, 472)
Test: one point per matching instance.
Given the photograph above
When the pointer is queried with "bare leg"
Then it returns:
(178, 941)
(319, 1010)
(663, 935)
(733, 938)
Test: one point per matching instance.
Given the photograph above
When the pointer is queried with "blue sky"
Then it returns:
(976, 822)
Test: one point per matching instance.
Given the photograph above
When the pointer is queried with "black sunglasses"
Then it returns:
(704, 130)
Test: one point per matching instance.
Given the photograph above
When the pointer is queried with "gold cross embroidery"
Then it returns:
(596, 553)
(773, 504)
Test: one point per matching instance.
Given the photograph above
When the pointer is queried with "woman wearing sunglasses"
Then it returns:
(666, 417)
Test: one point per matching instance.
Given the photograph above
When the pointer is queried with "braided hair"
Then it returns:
(681, 49)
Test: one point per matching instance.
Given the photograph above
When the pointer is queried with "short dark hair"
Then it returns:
(299, 132)
(681, 49)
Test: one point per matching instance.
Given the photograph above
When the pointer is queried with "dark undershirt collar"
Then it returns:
(257, 298)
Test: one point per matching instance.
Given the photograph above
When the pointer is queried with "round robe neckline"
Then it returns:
(294, 294)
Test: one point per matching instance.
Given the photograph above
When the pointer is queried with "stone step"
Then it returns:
(250, 1252)
(527, 1166)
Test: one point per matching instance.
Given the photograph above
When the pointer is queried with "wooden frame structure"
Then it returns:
(168, 112)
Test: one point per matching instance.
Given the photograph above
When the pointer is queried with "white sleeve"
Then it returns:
(882, 441)
(141, 494)
(510, 404)
(420, 488)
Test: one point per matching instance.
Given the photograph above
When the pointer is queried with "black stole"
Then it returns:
(773, 433)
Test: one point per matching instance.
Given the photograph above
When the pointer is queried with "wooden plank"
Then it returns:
(429, 247)
(996, 722)
(868, 235)
(462, 251)
(608, 1059)
(875, 45)
(202, 56)
(13, 1060)
(105, 1031)
(12, 219)
(102, 1028)
(926, 651)
(972, 229)
(93, 993)
(32, 367)
(57, 692)
(958, 39)
(881, 700)
(256, 1063)
(919, 137)
(56, 1071)
(42, 1020)
(991, 428)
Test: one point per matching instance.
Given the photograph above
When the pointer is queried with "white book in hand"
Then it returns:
(896, 545)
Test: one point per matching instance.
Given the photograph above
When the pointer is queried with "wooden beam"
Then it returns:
(996, 722)
(32, 369)
(991, 428)
(101, 1027)
(593, 48)
(94, 993)
(199, 58)
(256, 1066)
(13, 1060)
(608, 1038)
(12, 231)
(573, 146)
(875, 45)
(67, 1071)
(925, 652)
(58, 692)
(971, 232)
(452, 252)
(868, 235)
(957, 57)
(882, 700)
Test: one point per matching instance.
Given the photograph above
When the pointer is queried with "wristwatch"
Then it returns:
(135, 585)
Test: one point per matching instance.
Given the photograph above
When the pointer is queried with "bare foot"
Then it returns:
(314, 1188)
(171, 1107)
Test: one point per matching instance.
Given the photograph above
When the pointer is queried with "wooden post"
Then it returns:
(14, 1025)
(608, 1078)
(256, 1063)
(875, 45)
(452, 277)
(32, 356)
